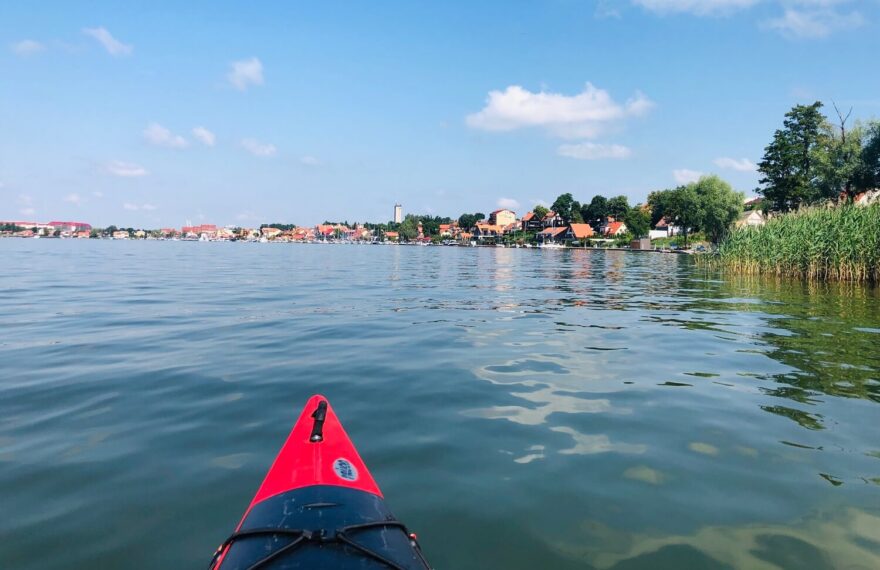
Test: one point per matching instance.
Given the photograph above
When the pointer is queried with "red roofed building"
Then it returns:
(613, 228)
(552, 234)
(71, 226)
(579, 231)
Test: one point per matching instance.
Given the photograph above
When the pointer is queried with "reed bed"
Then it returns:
(815, 244)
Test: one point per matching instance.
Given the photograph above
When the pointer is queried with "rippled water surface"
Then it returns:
(520, 409)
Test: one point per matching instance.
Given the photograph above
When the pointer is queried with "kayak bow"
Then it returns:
(319, 507)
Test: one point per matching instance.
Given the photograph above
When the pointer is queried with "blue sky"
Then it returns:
(154, 113)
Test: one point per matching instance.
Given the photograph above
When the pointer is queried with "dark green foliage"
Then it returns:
(638, 222)
(563, 206)
(789, 167)
(595, 212)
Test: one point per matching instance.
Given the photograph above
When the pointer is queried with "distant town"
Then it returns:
(540, 227)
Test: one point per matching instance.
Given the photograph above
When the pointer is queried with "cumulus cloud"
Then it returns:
(686, 176)
(148, 207)
(585, 115)
(258, 148)
(508, 203)
(697, 7)
(113, 46)
(131, 207)
(309, 161)
(204, 136)
(73, 198)
(126, 169)
(27, 47)
(158, 135)
(740, 165)
(593, 151)
(245, 72)
(813, 23)
(98, 194)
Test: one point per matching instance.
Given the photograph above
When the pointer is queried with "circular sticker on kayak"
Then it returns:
(345, 470)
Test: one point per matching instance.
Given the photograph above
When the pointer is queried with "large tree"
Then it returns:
(683, 209)
(719, 206)
(618, 207)
(638, 222)
(869, 177)
(789, 166)
(562, 206)
(594, 212)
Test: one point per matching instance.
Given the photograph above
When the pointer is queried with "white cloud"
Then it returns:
(112, 45)
(98, 194)
(27, 47)
(508, 203)
(126, 169)
(309, 161)
(135, 207)
(247, 215)
(697, 7)
(740, 165)
(813, 23)
(686, 176)
(158, 135)
(593, 151)
(26, 205)
(585, 115)
(73, 198)
(245, 72)
(204, 136)
(257, 148)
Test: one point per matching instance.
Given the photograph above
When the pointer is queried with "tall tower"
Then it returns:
(398, 213)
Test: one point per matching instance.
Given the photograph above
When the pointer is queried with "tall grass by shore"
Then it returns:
(816, 244)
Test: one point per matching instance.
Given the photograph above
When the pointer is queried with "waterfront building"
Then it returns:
(502, 217)
(70, 226)
(398, 213)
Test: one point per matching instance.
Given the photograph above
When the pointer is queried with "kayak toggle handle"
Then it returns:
(319, 415)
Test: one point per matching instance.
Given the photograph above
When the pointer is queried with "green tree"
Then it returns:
(869, 177)
(409, 229)
(789, 163)
(719, 206)
(683, 209)
(638, 222)
(658, 201)
(576, 216)
(562, 206)
(595, 212)
(839, 160)
(540, 211)
(618, 207)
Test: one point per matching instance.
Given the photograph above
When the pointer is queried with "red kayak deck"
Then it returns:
(333, 460)
(319, 508)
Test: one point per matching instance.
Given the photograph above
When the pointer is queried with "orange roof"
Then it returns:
(613, 228)
(553, 232)
(391, 234)
(489, 228)
(581, 231)
(528, 216)
(550, 215)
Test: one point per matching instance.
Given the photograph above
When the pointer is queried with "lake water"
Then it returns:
(520, 409)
